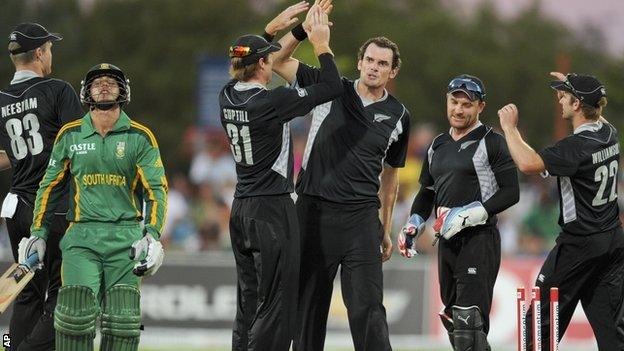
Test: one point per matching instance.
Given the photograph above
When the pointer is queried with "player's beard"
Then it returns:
(467, 122)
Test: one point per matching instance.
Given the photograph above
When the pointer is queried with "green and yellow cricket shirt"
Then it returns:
(110, 177)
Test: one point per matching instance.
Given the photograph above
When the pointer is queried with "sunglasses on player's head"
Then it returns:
(467, 84)
(240, 51)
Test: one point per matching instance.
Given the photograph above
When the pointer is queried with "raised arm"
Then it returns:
(284, 64)
(527, 160)
(284, 20)
(326, 84)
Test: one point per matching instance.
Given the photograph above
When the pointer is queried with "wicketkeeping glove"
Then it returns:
(29, 246)
(154, 255)
(454, 220)
(408, 236)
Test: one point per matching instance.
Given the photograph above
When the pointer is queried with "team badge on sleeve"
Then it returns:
(120, 152)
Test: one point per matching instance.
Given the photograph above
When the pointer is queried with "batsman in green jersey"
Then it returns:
(114, 167)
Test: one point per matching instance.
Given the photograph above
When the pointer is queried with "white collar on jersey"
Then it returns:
(590, 126)
(366, 101)
(477, 125)
(242, 86)
(23, 75)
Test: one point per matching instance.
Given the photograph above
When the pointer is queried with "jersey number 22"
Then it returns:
(601, 175)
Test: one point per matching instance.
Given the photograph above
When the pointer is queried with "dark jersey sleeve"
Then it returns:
(498, 154)
(563, 158)
(506, 175)
(293, 102)
(508, 192)
(426, 180)
(68, 104)
(423, 203)
(307, 75)
(396, 154)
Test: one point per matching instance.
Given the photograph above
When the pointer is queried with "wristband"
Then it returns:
(268, 36)
(299, 33)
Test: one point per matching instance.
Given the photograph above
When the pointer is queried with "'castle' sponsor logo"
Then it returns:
(81, 149)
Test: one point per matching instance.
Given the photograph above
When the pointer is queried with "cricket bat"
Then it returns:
(15, 279)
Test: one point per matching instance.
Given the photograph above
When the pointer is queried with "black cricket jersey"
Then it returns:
(33, 109)
(470, 169)
(586, 164)
(256, 121)
(348, 143)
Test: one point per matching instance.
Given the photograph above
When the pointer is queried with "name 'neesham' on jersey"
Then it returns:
(600, 156)
(235, 115)
(19, 107)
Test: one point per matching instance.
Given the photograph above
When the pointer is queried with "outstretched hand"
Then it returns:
(325, 5)
(319, 26)
(286, 18)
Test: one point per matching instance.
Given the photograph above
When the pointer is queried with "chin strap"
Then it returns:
(104, 106)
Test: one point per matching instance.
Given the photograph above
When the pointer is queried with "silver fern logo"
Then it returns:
(465, 144)
(380, 117)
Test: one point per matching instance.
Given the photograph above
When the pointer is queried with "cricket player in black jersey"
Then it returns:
(33, 109)
(263, 222)
(468, 177)
(587, 262)
(356, 144)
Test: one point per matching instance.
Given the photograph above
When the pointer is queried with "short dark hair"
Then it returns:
(386, 43)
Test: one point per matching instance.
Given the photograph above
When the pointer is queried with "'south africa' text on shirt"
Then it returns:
(103, 179)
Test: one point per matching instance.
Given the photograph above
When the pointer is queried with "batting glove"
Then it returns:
(454, 220)
(153, 253)
(408, 236)
(29, 246)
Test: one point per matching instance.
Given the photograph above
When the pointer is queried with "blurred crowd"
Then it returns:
(200, 198)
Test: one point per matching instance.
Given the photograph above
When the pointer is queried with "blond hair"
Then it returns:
(242, 72)
(21, 58)
(591, 112)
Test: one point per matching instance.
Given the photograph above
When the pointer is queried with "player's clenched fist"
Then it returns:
(508, 116)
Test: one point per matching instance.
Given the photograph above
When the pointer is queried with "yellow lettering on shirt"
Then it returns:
(103, 179)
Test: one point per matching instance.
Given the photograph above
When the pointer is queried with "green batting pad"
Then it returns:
(121, 319)
(74, 318)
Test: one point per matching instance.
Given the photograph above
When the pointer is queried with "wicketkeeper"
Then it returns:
(469, 177)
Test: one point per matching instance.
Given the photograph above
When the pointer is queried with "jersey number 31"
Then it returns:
(240, 138)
